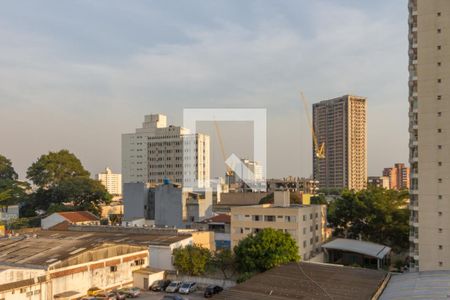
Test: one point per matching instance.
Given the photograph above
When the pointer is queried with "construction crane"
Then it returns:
(318, 149)
(229, 171)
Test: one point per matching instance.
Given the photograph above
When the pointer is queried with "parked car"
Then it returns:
(211, 290)
(173, 297)
(133, 292)
(93, 291)
(187, 287)
(106, 296)
(173, 287)
(160, 285)
(120, 295)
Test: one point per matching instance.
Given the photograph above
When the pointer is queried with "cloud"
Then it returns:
(71, 99)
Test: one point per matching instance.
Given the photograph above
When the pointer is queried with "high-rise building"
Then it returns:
(157, 151)
(398, 177)
(429, 127)
(112, 182)
(340, 124)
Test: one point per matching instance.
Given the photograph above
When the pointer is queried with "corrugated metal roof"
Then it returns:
(419, 285)
(362, 247)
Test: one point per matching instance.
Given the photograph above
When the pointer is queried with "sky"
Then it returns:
(77, 74)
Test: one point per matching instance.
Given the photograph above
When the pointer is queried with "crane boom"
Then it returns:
(318, 149)
(222, 148)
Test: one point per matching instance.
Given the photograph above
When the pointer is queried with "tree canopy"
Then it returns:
(7, 171)
(264, 250)
(377, 215)
(12, 191)
(191, 260)
(52, 168)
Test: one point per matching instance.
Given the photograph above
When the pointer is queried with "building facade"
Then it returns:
(340, 124)
(305, 223)
(429, 107)
(112, 182)
(378, 181)
(157, 151)
(398, 176)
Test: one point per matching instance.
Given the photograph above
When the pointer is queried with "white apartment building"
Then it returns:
(157, 151)
(112, 182)
(305, 223)
(429, 127)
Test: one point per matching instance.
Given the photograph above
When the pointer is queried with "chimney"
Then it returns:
(281, 198)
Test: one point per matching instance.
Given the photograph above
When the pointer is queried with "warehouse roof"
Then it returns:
(362, 247)
(78, 216)
(309, 281)
(418, 285)
(46, 247)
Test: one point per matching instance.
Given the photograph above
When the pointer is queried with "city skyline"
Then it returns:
(70, 85)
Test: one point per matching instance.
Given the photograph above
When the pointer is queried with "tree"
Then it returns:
(84, 193)
(191, 260)
(52, 168)
(12, 191)
(6, 169)
(225, 261)
(377, 215)
(266, 249)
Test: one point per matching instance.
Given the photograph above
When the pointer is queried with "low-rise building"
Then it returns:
(305, 223)
(167, 204)
(8, 213)
(293, 184)
(221, 226)
(70, 217)
(378, 181)
(52, 266)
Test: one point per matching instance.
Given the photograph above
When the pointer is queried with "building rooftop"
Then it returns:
(309, 281)
(46, 247)
(237, 199)
(78, 216)
(419, 285)
(362, 247)
(220, 218)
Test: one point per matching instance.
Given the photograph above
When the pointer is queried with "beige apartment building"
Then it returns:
(305, 223)
(429, 111)
(157, 151)
(112, 182)
(398, 176)
(340, 124)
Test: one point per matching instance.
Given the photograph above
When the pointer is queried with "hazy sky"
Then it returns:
(78, 74)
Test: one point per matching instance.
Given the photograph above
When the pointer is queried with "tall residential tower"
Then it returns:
(340, 123)
(429, 127)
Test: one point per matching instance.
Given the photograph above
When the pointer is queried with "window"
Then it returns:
(139, 262)
(440, 247)
(310, 216)
(439, 130)
(440, 213)
(311, 241)
(439, 63)
(440, 197)
(269, 218)
(439, 47)
(304, 230)
(304, 217)
(304, 244)
(440, 180)
(317, 226)
(439, 114)
(113, 269)
(440, 230)
(439, 14)
(317, 215)
(439, 97)
(241, 230)
(439, 30)
(439, 147)
(439, 80)
(440, 164)
(256, 218)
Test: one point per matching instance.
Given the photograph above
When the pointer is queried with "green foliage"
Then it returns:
(266, 249)
(52, 168)
(319, 199)
(12, 191)
(21, 223)
(191, 260)
(244, 277)
(61, 178)
(6, 169)
(224, 260)
(375, 214)
(83, 192)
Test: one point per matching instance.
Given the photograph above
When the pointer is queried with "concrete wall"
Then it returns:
(161, 256)
(168, 206)
(203, 282)
(144, 280)
(135, 197)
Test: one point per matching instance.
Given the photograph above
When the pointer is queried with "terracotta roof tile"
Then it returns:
(78, 216)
